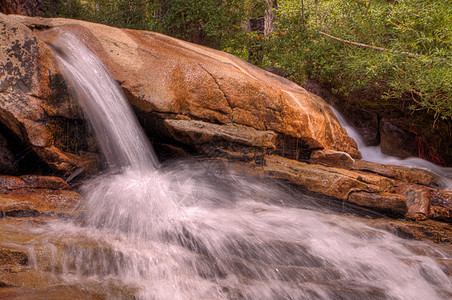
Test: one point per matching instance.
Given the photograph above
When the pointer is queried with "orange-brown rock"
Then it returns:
(409, 175)
(29, 268)
(441, 205)
(42, 202)
(381, 201)
(11, 256)
(44, 182)
(230, 140)
(417, 198)
(8, 182)
(334, 182)
(173, 79)
(35, 106)
(11, 183)
(192, 96)
(34, 196)
(332, 158)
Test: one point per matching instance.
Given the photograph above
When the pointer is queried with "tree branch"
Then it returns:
(373, 47)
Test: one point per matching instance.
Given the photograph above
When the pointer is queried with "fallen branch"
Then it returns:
(374, 47)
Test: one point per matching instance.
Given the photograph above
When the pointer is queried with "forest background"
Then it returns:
(393, 57)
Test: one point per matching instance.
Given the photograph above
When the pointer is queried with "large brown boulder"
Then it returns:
(35, 107)
(169, 79)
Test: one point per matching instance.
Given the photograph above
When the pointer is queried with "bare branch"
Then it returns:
(375, 47)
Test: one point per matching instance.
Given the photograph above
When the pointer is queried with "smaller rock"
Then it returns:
(409, 175)
(198, 132)
(390, 202)
(396, 141)
(42, 202)
(12, 256)
(417, 199)
(332, 158)
(428, 230)
(441, 205)
(440, 213)
(333, 182)
(11, 183)
(416, 216)
(211, 139)
(44, 182)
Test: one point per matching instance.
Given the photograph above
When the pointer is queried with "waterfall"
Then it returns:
(119, 135)
(194, 229)
(374, 154)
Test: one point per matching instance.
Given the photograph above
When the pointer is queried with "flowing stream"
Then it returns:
(374, 154)
(195, 230)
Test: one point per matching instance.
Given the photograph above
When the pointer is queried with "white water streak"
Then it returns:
(119, 134)
(374, 154)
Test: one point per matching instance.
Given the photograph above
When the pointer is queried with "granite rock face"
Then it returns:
(35, 106)
(169, 79)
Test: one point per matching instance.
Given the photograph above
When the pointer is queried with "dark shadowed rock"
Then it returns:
(364, 121)
(7, 158)
(28, 8)
(396, 141)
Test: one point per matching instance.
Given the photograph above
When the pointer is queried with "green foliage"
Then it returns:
(208, 22)
(136, 14)
(423, 78)
(214, 23)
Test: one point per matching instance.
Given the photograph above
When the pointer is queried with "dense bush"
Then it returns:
(414, 64)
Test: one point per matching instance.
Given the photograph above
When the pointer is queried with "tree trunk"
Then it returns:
(269, 17)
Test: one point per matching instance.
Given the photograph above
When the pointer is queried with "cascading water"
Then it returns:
(175, 232)
(374, 154)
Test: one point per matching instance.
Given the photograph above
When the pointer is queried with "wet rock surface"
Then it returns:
(36, 196)
(23, 245)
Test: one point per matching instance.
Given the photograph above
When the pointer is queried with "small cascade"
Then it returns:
(374, 154)
(196, 230)
(119, 135)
